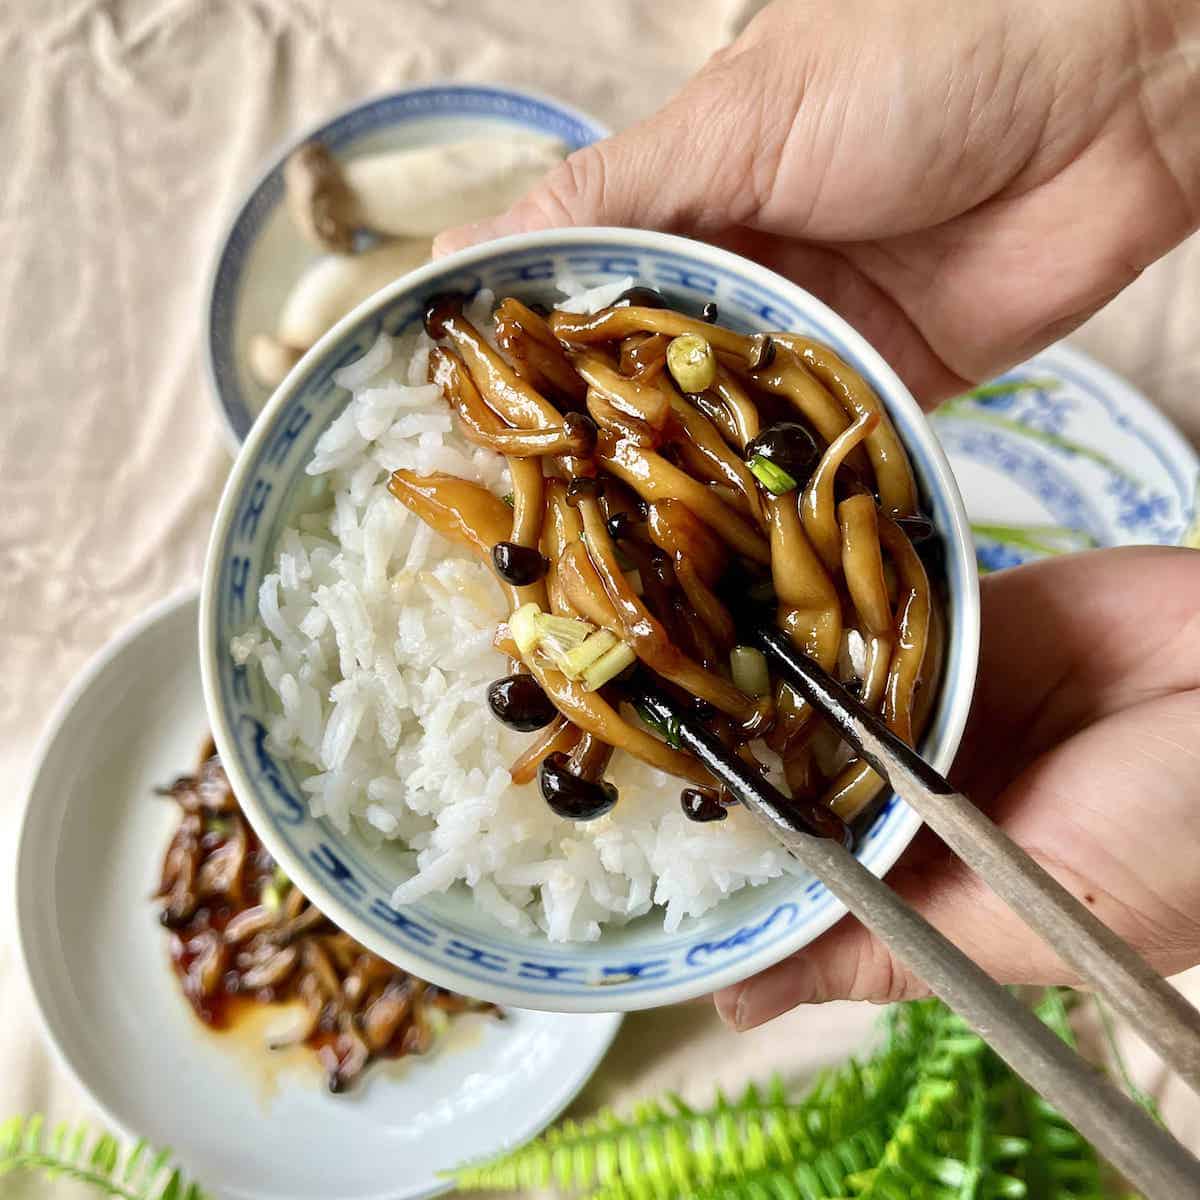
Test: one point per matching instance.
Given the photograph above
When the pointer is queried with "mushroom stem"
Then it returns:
(269, 360)
(334, 285)
(420, 192)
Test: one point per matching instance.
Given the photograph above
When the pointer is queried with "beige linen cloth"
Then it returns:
(129, 131)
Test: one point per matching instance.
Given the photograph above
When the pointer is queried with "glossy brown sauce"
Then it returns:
(242, 935)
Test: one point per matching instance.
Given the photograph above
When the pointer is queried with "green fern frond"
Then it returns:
(668, 1150)
(933, 1114)
(660, 1149)
(1060, 1163)
(94, 1159)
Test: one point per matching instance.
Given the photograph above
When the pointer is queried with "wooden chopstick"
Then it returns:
(1106, 962)
(1123, 1131)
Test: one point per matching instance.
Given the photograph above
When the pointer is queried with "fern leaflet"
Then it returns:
(94, 1159)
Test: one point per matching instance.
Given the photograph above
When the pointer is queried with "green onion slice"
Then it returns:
(772, 476)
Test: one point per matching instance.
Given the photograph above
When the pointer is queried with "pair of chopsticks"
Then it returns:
(1122, 1131)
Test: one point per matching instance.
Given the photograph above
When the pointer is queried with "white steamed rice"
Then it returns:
(375, 635)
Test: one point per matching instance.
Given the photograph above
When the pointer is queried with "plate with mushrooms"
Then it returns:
(354, 204)
(204, 1002)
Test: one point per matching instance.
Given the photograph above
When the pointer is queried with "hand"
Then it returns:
(964, 183)
(1084, 746)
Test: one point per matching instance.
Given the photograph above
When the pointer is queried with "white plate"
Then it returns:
(1081, 459)
(261, 256)
(246, 1126)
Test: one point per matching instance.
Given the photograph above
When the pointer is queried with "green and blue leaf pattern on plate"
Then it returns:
(1061, 455)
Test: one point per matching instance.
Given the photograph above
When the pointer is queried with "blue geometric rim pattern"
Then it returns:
(528, 111)
(543, 969)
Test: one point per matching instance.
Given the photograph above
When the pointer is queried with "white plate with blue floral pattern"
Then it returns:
(247, 1123)
(261, 256)
(1061, 454)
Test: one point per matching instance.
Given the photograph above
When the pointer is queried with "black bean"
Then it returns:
(620, 524)
(709, 312)
(641, 297)
(517, 564)
(762, 351)
(583, 487)
(582, 429)
(570, 796)
(788, 445)
(701, 804)
(519, 702)
(441, 308)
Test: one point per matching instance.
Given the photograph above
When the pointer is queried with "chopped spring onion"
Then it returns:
(523, 625)
(557, 635)
(608, 666)
(668, 730)
(221, 825)
(508, 499)
(577, 648)
(749, 669)
(691, 361)
(576, 661)
(274, 891)
(772, 476)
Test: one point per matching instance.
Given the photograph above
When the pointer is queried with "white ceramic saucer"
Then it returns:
(1062, 454)
(244, 1123)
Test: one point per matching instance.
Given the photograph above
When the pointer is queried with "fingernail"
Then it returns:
(727, 1002)
(473, 234)
(765, 997)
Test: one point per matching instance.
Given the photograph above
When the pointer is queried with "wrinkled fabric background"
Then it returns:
(128, 131)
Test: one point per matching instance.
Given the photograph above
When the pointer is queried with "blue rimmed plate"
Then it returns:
(262, 256)
(1062, 454)
(248, 1123)
(447, 938)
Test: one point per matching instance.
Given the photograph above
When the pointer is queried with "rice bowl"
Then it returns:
(354, 871)
(376, 637)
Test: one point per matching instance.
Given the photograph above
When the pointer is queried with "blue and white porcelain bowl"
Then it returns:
(447, 939)
(262, 255)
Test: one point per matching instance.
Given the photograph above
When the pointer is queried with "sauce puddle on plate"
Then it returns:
(254, 956)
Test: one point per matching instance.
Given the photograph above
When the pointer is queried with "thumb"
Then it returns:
(699, 165)
(851, 963)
